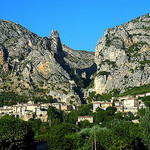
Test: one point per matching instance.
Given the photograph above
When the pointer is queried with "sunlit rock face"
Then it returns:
(122, 56)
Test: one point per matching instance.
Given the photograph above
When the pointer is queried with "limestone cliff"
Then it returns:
(122, 56)
(36, 66)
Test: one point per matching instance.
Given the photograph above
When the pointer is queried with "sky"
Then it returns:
(80, 23)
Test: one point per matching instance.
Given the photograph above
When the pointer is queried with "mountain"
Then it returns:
(122, 56)
(40, 66)
(37, 66)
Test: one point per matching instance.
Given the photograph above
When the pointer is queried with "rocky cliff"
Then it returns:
(122, 56)
(32, 65)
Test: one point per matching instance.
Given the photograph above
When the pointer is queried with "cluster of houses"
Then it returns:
(124, 104)
(29, 110)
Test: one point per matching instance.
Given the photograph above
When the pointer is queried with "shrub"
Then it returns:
(104, 73)
(112, 63)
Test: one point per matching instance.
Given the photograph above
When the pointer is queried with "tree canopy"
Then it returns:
(14, 133)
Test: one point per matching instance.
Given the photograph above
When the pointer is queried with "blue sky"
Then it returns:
(80, 23)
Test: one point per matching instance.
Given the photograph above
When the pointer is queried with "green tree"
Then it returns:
(14, 133)
(141, 113)
(35, 124)
(135, 135)
(53, 116)
(73, 116)
(145, 126)
(100, 116)
(111, 110)
(147, 103)
(146, 100)
(84, 124)
(118, 116)
(43, 132)
(73, 141)
(57, 134)
(85, 110)
(131, 116)
(120, 135)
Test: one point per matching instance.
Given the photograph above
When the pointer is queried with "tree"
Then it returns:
(135, 134)
(141, 113)
(73, 141)
(131, 116)
(84, 124)
(118, 116)
(146, 101)
(53, 115)
(85, 110)
(145, 126)
(14, 133)
(100, 116)
(57, 134)
(35, 124)
(73, 117)
(111, 110)
(120, 135)
(43, 132)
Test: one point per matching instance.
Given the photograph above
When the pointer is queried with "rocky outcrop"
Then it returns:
(123, 56)
(37, 66)
(2, 56)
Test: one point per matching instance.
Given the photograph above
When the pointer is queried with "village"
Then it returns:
(26, 111)
(30, 110)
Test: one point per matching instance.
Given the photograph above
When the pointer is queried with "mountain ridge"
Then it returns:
(34, 65)
(31, 63)
(119, 56)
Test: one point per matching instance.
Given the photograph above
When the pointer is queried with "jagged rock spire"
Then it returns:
(55, 42)
(54, 34)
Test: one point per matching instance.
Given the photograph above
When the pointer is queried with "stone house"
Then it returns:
(148, 94)
(118, 103)
(104, 105)
(6, 111)
(101, 104)
(42, 114)
(26, 116)
(140, 95)
(88, 118)
(66, 107)
(119, 106)
(46, 105)
(141, 104)
(56, 105)
(131, 105)
(96, 105)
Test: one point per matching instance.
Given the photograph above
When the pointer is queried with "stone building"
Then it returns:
(131, 105)
(88, 118)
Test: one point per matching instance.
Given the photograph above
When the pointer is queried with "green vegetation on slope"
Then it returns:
(136, 90)
(10, 98)
(107, 61)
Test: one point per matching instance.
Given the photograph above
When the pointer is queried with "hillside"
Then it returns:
(37, 66)
(122, 56)
(34, 66)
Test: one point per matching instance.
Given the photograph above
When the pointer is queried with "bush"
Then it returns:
(136, 90)
(104, 73)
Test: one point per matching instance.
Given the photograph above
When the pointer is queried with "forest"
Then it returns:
(109, 131)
